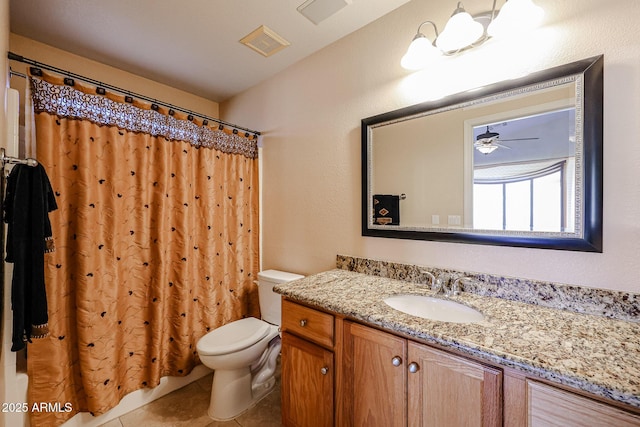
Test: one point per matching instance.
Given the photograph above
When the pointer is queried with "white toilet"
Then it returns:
(244, 353)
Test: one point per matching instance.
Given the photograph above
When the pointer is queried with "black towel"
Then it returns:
(386, 209)
(28, 201)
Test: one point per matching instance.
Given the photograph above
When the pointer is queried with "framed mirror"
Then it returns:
(516, 163)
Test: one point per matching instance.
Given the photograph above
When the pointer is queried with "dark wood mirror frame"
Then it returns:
(591, 70)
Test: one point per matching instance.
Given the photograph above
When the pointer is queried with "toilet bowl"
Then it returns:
(244, 353)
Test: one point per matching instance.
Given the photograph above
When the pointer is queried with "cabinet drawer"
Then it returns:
(306, 322)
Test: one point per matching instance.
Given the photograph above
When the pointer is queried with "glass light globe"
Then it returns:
(487, 149)
(419, 54)
(461, 31)
(516, 17)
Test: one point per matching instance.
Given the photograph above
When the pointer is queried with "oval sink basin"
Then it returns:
(434, 308)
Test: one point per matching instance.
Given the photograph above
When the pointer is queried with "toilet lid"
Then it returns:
(233, 336)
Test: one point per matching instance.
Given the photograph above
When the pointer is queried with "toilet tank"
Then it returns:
(271, 302)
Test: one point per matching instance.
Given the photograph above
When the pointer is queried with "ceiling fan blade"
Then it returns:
(518, 139)
(502, 146)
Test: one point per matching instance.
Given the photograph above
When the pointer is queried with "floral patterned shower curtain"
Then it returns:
(156, 241)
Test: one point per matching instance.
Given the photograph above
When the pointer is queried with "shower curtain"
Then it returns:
(156, 242)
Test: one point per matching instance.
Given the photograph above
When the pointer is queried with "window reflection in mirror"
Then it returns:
(524, 173)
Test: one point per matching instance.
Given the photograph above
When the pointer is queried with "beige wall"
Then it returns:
(4, 63)
(310, 115)
(85, 67)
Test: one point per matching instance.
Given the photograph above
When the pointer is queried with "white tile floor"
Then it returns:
(188, 407)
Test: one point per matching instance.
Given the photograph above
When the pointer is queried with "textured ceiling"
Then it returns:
(191, 45)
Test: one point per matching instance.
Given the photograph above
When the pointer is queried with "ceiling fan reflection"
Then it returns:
(487, 142)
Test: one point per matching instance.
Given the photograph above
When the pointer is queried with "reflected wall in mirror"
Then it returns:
(517, 163)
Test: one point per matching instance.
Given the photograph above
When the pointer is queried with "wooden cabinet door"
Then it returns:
(451, 391)
(307, 383)
(374, 377)
(550, 406)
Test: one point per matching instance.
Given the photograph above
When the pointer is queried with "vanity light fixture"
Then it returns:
(516, 16)
(464, 31)
(460, 31)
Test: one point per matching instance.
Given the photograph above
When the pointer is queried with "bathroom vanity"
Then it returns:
(348, 358)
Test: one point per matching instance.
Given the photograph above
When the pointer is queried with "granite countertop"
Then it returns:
(591, 353)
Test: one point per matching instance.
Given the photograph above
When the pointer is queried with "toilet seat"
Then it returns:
(233, 337)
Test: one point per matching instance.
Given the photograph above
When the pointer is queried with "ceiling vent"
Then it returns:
(317, 11)
(265, 41)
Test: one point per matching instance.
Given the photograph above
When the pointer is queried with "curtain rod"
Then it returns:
(20, 58)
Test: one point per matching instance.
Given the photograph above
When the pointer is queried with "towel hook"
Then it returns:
(15, 161)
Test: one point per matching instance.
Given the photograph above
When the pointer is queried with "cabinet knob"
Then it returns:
(324, 370)
(413, 367)
(303, 322)
(396, 361)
